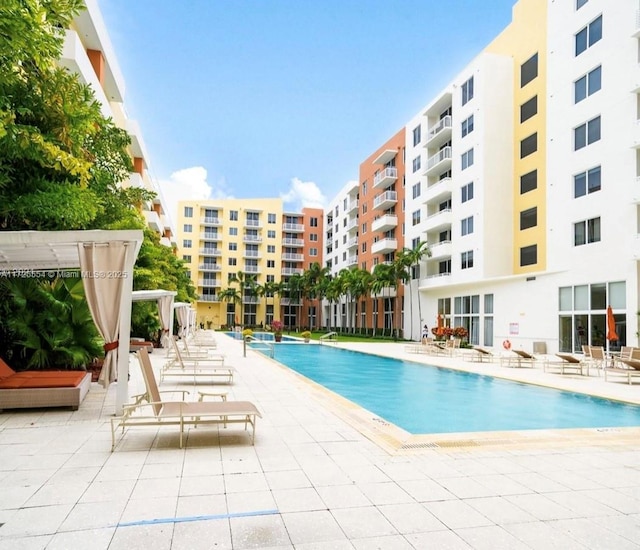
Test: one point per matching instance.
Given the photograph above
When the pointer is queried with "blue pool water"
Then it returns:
(424, 399)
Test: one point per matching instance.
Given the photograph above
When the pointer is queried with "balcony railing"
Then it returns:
(250, 269)
(209, 267)
(297, 227)
(251, 239)
(293, 242)
(385, 177)
(210, 236)
(251, 254)
(442, 124)
(210, 252)
(390, 197)
(440, 156)
(208, 283)
(292, 271)
(209, 220)
(353, 224)
(209, 298)
(252, 223)
(293, 257)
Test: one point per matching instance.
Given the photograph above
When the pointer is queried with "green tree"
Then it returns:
(410, 259)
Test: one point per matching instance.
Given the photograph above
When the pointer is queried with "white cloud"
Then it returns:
(304, 193)
(190, 184)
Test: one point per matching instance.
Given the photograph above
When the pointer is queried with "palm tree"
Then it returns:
(229, 295)
(314, 278)
(362, 285)
(295, 288)
(384, 277)
(245, 281)
(415, 256)
(332, 294)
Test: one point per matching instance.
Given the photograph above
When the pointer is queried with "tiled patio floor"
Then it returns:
(317, 478)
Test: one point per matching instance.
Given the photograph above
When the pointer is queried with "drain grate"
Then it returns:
(419, 446)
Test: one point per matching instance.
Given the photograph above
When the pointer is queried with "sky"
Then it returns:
(284, 98)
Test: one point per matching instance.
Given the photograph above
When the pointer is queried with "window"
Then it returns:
(271, 263)
(416, 135)
(416, 190)
(580, 3)
(233, 261)
(364, 228)
(364, 247)
(271, 218)
(313, 222)
(188, 228)
(416, 164)
(587, 85)
(466, 226)
(586, 232)
(588, 36)
(415, 217)
(467, 91)
(313, 252)
(364, 207)
(415, 243)
(233, 246)
(313, 237)
(529, 145)
(467, 158)
(344, 240)
(186, 243)
(271, 234)
(586, 133)
(188, 211)
(529, 255)
(467, 192)
(467, 126)
(467, 259)
(186, 258)
(364, 188)
(587, 182)
(529, 108)
(528, 182)
(233, 231)
(528, 218)
(271, 249)
(529, 70)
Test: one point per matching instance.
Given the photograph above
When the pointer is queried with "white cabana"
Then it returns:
(165, 300)
(183, 316)
(106, 260)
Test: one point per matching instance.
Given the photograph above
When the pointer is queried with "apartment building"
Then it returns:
(528, 199)
(88, 52)
(249, 240)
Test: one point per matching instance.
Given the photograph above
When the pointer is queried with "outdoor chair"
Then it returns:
(567, 364)
(629, 369)
(520, 359)
(159, 412)
(481, 355)
(197, 367)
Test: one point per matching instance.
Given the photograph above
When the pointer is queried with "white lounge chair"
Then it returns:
(197, 367)
(568, 364)
(158, 412)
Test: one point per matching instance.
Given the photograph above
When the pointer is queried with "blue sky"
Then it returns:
(267, 98)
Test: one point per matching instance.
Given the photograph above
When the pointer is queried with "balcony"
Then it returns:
(353, 224)
(290, 302)
(384, 246)
(250, 269)
(384, 223)
(437, 192)
(353, 205)
(442, 219)
(208, 283)
(292, 271)
(435, 280)
(153, 220)
(352, 260)
(250, 300)
(385, 200)
(210, 252)
(293, 257)
(439, 162)
(251, 254)
(440, 250)
(293, 227)
(209, 267)
(255, 224)
(292, 242)
(209, 298)
(251, 239)
(210, 236)
(373, 267)
(439, 133)
(385, 178)
(353, 243)
(209, 220)
(134, 180)
(636, 31)
(386, 156)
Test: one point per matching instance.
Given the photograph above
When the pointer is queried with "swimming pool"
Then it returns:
(424, 399)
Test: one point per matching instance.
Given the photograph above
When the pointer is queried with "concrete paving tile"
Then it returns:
(201, 485)
(343, 496)
(390, 542)
(96, 539)
(593, 536)
(260, 532)
(615, 499)
(202, 535)
(312, 527)
(491, 537)
(38, 542)
(385, 493)
(249, 502)
(238, 483)
(442, 540)
(41, 520)
(499, 510)
(287, 479)
(363, 522)
(143, 537)
(456, 514)
(94, 515)
(426, 490)
(201, 505)
(298, 500)
(411, 518)
(540, 535)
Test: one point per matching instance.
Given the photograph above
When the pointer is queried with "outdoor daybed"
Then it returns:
(46, 388)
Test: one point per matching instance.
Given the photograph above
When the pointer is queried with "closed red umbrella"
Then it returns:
(612, 335)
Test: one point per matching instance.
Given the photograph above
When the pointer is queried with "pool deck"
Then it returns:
(323, 474)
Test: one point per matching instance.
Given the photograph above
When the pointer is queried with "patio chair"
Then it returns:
(567, 363)
(630, 369)
(481, 355)
(197, 367)
(597, 358)
(158, 412)
(521, 359)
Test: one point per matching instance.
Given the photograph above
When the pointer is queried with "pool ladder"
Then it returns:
(329, 337)
(258, 345)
